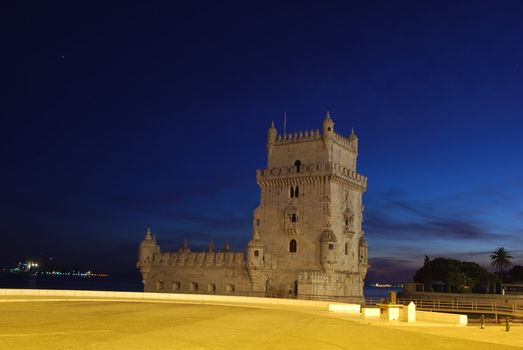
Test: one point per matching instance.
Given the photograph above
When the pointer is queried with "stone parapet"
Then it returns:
(312, 135)
(264, 176)
(300, 136)
(200, 259)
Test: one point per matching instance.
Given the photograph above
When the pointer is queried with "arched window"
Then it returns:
(297, 191)
(347, 248)
(292, 246)
(256, 253)
(292, 192)
(297, 164)
(294, 217)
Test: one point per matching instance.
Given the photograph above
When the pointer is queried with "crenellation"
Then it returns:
(199, 258)
(298, 136)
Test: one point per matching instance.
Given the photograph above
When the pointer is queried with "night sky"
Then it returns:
(116, 116)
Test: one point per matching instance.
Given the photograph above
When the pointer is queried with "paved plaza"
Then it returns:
(44, 323)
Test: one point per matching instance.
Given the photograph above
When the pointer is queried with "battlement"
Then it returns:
(312, 277)
(322, 277)
(311, 135)
(307, 170)
(345, 141)
(200, 258)
(299, 136)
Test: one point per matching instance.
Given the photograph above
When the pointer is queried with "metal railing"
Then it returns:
(514, 311)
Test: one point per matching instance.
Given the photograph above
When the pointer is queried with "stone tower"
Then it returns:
(310, 213)
(306, 239)
(148, 247)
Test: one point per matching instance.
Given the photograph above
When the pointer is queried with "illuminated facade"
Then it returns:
(306, 240)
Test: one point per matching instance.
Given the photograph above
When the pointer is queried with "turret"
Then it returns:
(148, 247)
(328, 126)
(353, 140)
(255, 263)
(271, 138)
(362, 255)
(255, 252)
(328, 135)
(327, 250)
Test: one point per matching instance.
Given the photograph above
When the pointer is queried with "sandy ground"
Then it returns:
(132, 325)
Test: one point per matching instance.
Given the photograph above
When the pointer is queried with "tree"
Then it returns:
(515, 274)
(454, 276)
(501, 260)
(427, 274)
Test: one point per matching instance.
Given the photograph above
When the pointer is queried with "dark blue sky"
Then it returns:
(119, 116)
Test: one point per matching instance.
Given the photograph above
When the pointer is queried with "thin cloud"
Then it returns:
(437, 229)
(456, 216)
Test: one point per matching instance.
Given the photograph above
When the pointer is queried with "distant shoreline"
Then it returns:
(28, 281)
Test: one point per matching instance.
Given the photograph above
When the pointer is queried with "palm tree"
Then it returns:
(501, 260)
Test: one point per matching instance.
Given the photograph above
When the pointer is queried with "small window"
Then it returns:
(159, 285)
(292, 192)
(194, 287)
(297, 191)
(331, 246)
(329, 128)
(297, 164)
(230, 288)
(211, 288)
(293, 246)
(347, 248)
(346, 222)
(176, 286)
(257, 222)
(256, 253)
(294, 218)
